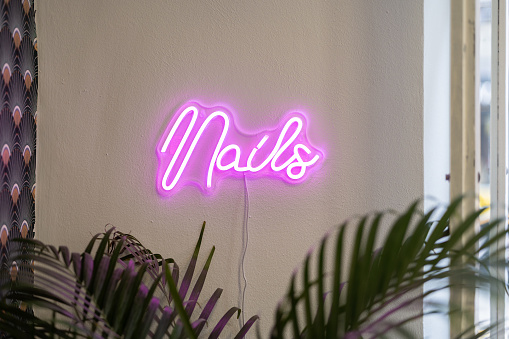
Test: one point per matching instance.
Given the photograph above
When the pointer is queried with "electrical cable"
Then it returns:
(245, 240)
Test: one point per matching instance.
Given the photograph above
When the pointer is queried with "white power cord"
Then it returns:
(245, 240)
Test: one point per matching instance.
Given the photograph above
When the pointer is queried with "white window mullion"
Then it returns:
(498, 152)
(465, 138)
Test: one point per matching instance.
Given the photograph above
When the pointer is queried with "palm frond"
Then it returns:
(115, 288)
(382, 283)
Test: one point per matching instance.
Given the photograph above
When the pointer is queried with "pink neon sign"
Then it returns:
(202, 145)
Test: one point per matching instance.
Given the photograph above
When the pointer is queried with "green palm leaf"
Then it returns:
(382, 283)
(110, 290)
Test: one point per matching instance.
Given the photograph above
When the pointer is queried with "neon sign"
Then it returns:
(202, 145)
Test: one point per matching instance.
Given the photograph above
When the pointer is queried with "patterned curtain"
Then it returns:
(18, 120)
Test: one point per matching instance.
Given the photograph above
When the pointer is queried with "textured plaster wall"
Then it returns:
(112, 73)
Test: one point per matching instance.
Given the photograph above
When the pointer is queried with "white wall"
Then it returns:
(111, 74)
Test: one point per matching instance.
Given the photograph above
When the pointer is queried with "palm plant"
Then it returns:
(372, 289)
(119, 288)
(115, 288)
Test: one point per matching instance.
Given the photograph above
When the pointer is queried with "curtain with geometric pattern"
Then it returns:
(18, 121)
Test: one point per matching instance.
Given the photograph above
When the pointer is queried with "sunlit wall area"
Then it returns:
(436, 135)
(112, 75)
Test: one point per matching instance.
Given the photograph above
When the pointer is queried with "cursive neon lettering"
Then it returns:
(179, 149)
(252, 154)
(287, 151)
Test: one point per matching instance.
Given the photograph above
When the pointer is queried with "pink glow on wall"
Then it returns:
(201, 145)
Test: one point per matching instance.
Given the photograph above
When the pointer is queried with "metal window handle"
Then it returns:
(448, 176)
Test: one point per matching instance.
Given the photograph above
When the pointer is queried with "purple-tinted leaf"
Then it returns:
(293, 310)
(174, 315)
(122, 263)
(319, 320)
(124, 295)
(332, 322)
(65, 255)
(124, 281)
(34, 300)
(243, 331)
(40, 297)
(81, 305)
(87, 264)
(55, 283)
(143, 256)
(222, 322)
(197, 324)
(392, 310)
(99, 255)
(177, 331)
(53, 250)
(131, 267)
(64, 296)
(54, 275)
(175, 275)
(163, 324)
(207, 310)
(135, 291)
(178, 303)
(149, 300)
(91, 243)
(148, 318)
(189, 303)
(47, 262)
(307, 297)
(341, 286)
(76, 261)
(195, 294)
(138, 254)
(101, 300)
(389, 326)
(186, 281)
(14, 322)
(100, 275)
(136, 312)
(277, 329)
(27, 290)
(156, 262)
(143, 290)
(109, 296)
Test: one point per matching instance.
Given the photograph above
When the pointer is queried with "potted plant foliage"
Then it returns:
(119, 288)
(115, 288)
(370, 291)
